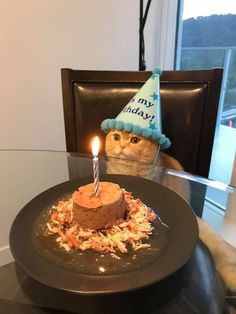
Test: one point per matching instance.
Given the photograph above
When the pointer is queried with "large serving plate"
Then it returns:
(172, 242)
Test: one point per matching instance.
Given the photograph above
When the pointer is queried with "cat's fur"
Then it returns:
(130, 148)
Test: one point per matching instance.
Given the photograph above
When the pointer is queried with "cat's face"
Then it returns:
(125, 145)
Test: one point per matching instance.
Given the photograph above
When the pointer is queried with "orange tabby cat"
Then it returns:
(125, 145)
(132, 148)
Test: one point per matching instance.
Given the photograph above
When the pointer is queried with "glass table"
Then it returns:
(195, 288)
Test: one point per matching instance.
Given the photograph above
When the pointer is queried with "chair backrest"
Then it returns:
(189, 105)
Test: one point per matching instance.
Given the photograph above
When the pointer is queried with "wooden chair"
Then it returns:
(189, 104)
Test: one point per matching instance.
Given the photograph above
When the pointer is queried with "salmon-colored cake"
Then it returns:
(98, 212)
(105, 223)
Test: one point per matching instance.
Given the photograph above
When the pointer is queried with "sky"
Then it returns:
(193, 8)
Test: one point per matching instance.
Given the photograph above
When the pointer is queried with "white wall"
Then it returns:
(43, 167)
(37, 39)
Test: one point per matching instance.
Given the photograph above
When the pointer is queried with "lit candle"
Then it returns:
(95, 149)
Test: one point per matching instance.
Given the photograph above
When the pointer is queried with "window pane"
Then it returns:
(207, 39)
(195, 58)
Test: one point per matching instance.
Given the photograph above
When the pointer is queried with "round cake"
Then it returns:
(98, 212)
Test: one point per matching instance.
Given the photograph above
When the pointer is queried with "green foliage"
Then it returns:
(210, 31)
(205, 42)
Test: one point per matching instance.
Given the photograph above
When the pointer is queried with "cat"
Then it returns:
(138, 156)
(128, 146)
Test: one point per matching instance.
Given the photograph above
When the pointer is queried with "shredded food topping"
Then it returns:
(135, 228)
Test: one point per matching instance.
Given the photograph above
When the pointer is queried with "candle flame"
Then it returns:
(95, 146)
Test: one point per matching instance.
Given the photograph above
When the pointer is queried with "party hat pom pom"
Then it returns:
(128, 127)
(157, 71)
(112, 123)
(119, 125)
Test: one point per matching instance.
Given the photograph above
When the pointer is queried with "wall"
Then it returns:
(40, 165)
(38, 39)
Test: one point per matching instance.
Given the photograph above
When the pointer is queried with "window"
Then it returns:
(207, 39)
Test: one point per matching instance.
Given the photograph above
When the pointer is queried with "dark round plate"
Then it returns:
(44, 261)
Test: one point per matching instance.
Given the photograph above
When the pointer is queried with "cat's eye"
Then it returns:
(135, 139)
(116, 137)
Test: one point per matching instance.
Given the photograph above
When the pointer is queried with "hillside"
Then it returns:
(210, 31)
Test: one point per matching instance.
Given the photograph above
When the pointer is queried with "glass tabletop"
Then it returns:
(25, 174)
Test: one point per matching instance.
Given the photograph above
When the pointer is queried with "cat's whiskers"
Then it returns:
(140, 156)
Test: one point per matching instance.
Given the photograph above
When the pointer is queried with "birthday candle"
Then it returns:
(95, 149)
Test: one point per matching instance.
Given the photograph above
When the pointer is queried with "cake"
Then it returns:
(98, 212)
(107, 223)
